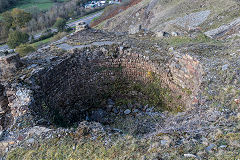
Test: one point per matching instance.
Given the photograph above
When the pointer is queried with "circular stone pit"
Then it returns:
(78, 87)
(63, 88)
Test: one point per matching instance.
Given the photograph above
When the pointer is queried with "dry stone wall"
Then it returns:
(82, 77)
(70, 82)
(4, 109)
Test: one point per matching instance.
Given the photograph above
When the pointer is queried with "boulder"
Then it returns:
(81, 26)
(134, 29)
(99, 115)
(224, 29)
(9, 64)
(174, 34)
(162, 34)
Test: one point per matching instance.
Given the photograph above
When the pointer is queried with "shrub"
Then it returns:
(46, 34)
(179, 40)
(68, 29)
(182, 40)
(15, 38)
(58, 36)
(60, 24)
(203, 38)
(24, 49)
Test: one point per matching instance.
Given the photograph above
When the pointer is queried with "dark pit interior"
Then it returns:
(103, 87)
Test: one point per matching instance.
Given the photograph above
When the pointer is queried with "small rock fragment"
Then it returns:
(223, 146)
(115, 110)
(98, 115)
(163, 142)
(175, 34)
(110, 102)
(134, 29)
(30, 141)
(190, 156)
(210, 147)
(109, 107)
(135, 110)
(225, 67)
(237, 101)
(127, 111)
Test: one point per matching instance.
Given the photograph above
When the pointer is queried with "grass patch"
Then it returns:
(176, 41)
(39, 43)
(74, 147)
(58, 36)
(69, 149)
(24, 49)
(182, 40)
(152, 93)
(41, 4)
(95, 18)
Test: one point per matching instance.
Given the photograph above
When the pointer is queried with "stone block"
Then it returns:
(9, 64)
(134, 29)
(81, 26)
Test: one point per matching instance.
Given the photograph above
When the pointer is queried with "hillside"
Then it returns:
(175, 15)
(158, 81)
(28, 4)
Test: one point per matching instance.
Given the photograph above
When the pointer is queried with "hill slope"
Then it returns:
(172, 15)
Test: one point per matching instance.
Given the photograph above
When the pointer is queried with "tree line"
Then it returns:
(32, 19)
(4, 4)
(43, 20)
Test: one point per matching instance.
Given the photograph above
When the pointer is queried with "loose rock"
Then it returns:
(127, 111)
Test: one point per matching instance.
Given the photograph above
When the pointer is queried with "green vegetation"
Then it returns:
(50, 39)
(42, 42)
(16, 38)
(60, 24)
(17, 18)
(58, 36)
(40, 20)
(152, 93)
(78, 146)
(40, 4)
(125, 92)
(5, 4)
(69, 149)
(181, 40)
(20, 18)
(14, 23)
(95, 18)
(24, 49)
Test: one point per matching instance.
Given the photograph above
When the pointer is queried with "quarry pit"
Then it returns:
(63, 87)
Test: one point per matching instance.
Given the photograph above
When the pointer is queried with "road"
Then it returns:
(86, 19)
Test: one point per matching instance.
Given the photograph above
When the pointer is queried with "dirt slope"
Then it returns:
(175, 15)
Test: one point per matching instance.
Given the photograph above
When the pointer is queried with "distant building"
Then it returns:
(116, 1)
(99, 3)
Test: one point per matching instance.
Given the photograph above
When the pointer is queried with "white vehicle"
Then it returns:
(102, 2)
